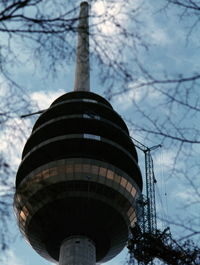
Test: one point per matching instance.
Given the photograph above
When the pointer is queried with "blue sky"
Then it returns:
(168, 53)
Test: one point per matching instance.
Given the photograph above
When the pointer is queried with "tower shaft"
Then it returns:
(82, 70)
(77, 251)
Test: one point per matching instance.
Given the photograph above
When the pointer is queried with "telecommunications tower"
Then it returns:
(78, 181)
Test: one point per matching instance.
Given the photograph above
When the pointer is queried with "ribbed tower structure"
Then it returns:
(79, 178)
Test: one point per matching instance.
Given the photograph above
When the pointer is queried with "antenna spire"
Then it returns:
(82, 70)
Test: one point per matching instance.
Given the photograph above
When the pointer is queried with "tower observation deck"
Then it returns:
(78, 181)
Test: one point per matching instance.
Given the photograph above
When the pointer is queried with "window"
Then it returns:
(130, 211)
(45, 174)
(26, 186)
(117, 178)
(22, 221)
(23, 215)
(78, 185)
(19, 197)
(38, 177)
(128, 186)
(102, 171)
(95, 170)
(78, 168)
(86, 168)
(110, 174)
(92, 186)
(53, 171)
(32, 181)
(99, 188)
(61, 169)
(25, 210)
(132, 217)
(133, 192)
(123, 182)
(28, 205)
(69, 168)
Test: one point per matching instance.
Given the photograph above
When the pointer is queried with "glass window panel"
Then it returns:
(86, 168)
(117, 197)
(53, 171)
(78, 168)
(32, 181)
(77, 185)
(21, 191)
(133, 192)
(19, 197)
(85, 185)
(25, 210)
(21, 225)
(70, 186)
(55, 189)
(38, 177)
(99, 188)
(110, 174)
(128, 186)
(45, 174)
(130, 211)
(112, 194)
(95, 170)
(132, 223)
(106, 191)
(123, 182)
(102, 171)
(69, 168)
(23, 215)
(132, 217)
(117, 178)
(34, 200)
(22, 221)
(62, 186)
(92, 186)
(61, 169)
(122, 201)
(42, 194)
(28, 205)
(26, 186)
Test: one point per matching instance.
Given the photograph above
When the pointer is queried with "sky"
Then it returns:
(168, 53)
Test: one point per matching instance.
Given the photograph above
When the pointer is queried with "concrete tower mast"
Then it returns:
(82, 70)
(78, 181)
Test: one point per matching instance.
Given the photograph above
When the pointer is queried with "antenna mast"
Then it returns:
(82, 70)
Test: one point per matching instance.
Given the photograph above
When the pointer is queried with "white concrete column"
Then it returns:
(82, 70)
(77, 251)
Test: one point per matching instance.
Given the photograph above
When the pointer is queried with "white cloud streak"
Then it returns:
(45, 98)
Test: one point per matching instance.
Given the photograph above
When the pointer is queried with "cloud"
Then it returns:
(11, 258)
(107, 15)
(137, 93)
(45, 98)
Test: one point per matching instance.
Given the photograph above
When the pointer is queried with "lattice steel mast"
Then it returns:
(150, 203)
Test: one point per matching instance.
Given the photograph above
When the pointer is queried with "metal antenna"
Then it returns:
(82, 70)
